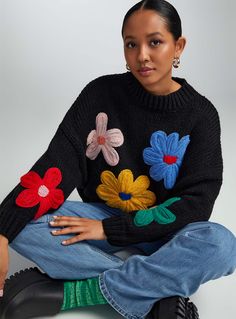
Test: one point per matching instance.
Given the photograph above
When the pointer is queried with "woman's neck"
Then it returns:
(165, 89)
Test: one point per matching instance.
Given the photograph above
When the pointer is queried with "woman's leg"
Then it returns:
(198, 253)
(78, 261)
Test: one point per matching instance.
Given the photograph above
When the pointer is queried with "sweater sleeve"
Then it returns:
(191, 199)
(50, 181)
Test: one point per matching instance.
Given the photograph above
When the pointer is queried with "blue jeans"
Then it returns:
(176, 265)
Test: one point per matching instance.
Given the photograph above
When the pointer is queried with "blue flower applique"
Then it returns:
(165, 156)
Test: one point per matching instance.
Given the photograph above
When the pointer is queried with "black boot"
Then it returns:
(173, 308)
(30, 293)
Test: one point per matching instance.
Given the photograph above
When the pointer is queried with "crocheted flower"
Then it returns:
(165, 155)
(125, 193)
(104, 140)
(160, 214)
(41, 191)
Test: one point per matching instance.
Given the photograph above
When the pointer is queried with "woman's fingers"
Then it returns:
(60, 223)
(67, 230)
(87, 229)
(67, 221)
(67, 218)
(74, 240)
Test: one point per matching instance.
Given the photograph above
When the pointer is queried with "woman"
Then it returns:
(143, 150)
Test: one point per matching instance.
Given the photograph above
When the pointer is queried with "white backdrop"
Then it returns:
(49, 49)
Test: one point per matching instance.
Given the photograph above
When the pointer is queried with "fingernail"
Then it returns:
(54, 231)
(55, 217)
(64, 242)
(52, 223)
(1, 292)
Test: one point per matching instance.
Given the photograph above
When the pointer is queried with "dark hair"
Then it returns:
(164, 9)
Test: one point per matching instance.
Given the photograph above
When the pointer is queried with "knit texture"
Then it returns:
(82, 293)
(120, 145)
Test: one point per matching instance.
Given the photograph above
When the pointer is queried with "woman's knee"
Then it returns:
(218, 245)
(226, 247)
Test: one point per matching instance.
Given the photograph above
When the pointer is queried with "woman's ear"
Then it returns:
(179, 46)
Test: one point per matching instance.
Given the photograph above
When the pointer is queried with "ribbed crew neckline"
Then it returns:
(170, 102)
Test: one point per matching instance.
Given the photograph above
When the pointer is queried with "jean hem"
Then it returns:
(113, 303)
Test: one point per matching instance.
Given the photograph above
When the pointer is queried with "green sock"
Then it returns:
(82, 293)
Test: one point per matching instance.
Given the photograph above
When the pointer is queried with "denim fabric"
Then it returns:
(198, 253)
(78, 261)
(176, 265)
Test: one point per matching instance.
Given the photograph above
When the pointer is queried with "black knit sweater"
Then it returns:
(156, 158)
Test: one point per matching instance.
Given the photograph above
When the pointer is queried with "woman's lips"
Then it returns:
(145, 71)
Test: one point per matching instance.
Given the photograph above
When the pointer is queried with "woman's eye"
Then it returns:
(130, 45)
(155, 43)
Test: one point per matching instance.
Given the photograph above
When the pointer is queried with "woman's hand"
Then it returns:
(4, 262)
(84, 228)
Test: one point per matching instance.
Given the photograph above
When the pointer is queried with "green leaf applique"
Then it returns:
(160, 214)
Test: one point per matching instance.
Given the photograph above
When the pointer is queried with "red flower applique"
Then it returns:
(41, 191)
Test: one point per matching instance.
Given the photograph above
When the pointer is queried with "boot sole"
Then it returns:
(177, 308)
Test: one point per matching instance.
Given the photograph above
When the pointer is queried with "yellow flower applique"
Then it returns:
(124, 192)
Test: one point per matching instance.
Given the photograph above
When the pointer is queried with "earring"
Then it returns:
(127, 67)
(176, 62)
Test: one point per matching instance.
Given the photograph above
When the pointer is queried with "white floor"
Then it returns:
(96, 312)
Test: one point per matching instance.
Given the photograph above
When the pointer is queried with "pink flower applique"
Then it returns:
(104, 140)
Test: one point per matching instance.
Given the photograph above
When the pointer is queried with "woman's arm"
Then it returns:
(4, 262)
(49, 182)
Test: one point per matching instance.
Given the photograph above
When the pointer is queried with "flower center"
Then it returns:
(124, 196)
(101, 140)
(43, 191)
(169, 159)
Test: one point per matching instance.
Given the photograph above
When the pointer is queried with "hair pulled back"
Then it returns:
(164, 9)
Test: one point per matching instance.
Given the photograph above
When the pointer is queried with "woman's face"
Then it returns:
(149, 50)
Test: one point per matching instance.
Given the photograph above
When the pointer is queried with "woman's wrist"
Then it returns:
(3, 240)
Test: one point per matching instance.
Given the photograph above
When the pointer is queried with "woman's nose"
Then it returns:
(143, 55)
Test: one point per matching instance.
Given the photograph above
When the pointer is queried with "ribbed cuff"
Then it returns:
(12, 223)
(82, 293)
